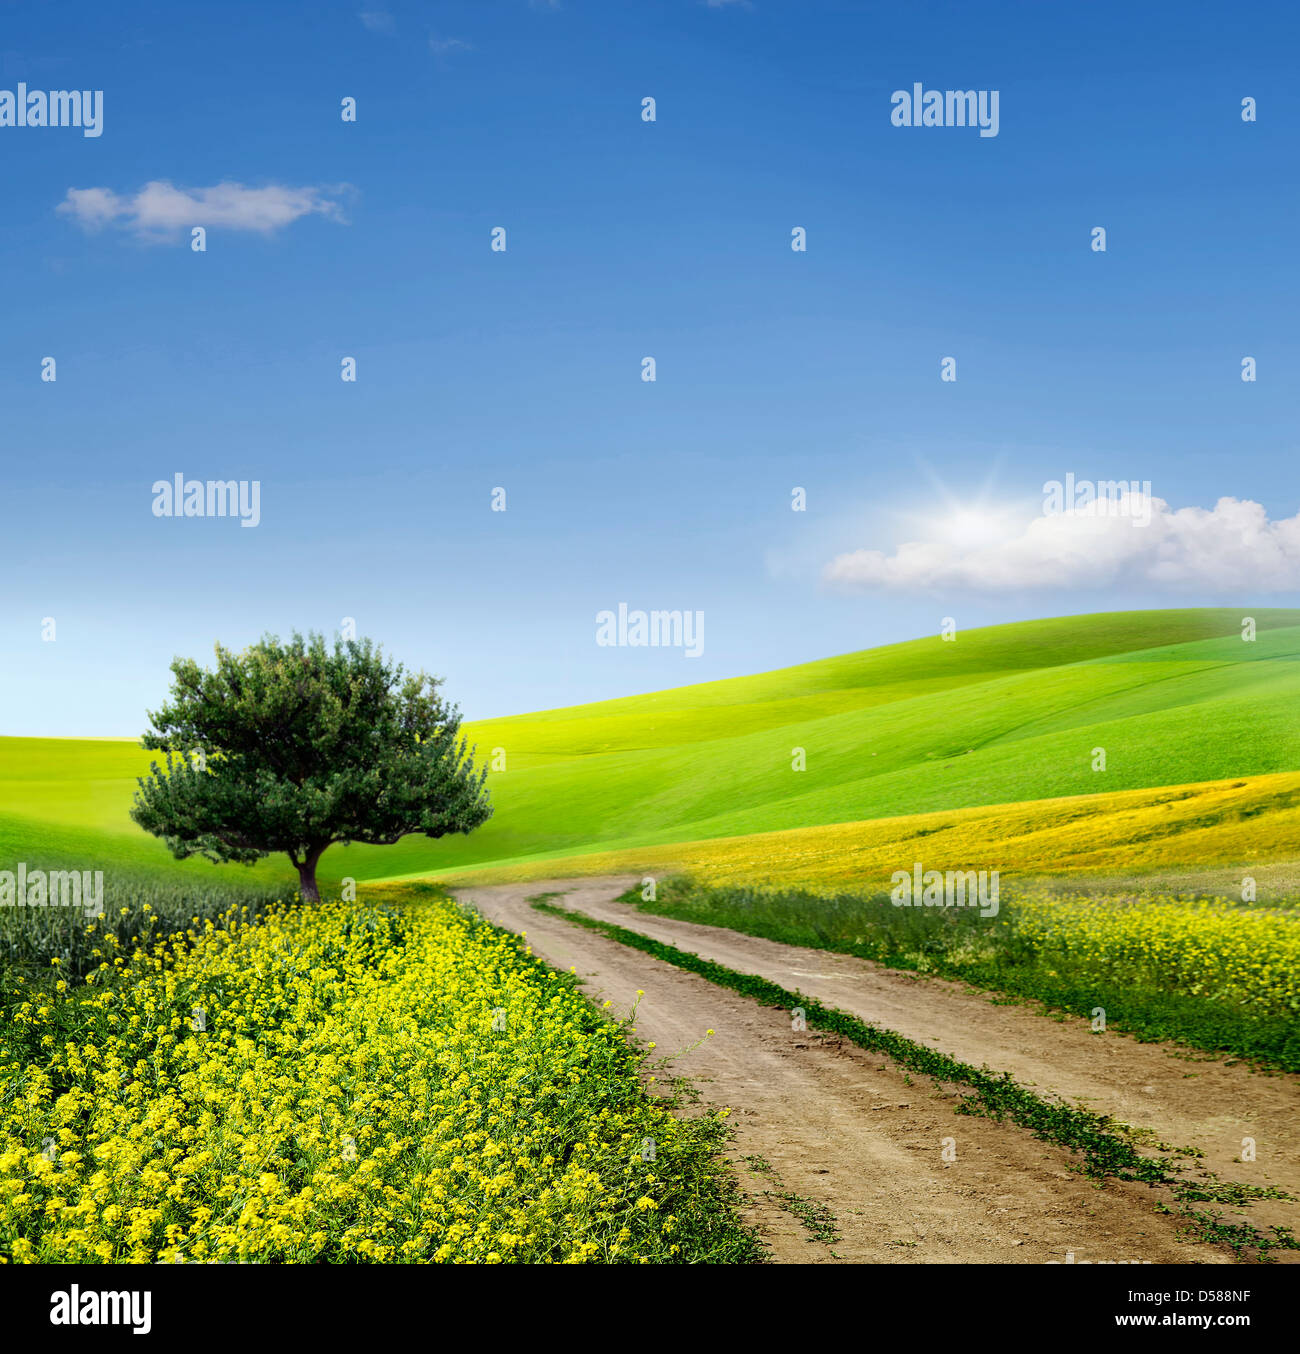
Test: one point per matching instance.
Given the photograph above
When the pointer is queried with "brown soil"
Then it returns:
(824, 1121)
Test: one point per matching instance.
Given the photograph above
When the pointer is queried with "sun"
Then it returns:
(965, 519)
(974, 526)
(970, 517)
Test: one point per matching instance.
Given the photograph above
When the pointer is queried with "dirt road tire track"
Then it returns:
(1188, 1099)
(843, 1127)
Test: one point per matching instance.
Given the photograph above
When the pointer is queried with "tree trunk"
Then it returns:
(307, 890)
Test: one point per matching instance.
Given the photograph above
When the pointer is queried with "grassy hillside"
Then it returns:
(1000, 716)
(66, 800)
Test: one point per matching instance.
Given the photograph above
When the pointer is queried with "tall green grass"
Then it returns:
(41, 944)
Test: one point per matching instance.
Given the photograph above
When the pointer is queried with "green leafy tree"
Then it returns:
(292, 747)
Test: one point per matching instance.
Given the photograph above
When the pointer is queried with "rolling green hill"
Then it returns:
(1001, 715)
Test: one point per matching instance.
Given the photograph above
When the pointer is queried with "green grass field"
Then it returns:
(1003, 715)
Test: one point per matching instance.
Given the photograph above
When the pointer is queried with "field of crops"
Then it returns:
(1237, 826)
(1231, 956)
(387, 1083)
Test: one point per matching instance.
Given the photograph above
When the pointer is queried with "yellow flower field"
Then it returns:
(1244, 822)
(342, 1083)
(1250, 959)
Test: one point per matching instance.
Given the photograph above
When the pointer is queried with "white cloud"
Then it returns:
(442, 45)
(377, 20)
(1233, 547)
(161, 211)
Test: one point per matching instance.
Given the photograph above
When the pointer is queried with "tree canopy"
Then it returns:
(295, 746)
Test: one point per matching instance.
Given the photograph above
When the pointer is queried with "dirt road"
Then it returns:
(854, 1137)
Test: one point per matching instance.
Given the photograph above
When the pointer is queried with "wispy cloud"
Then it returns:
(378, 20)
(1230, 548)
(443, 45)
(160, 211)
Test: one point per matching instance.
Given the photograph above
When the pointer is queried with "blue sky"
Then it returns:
(522, 369)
